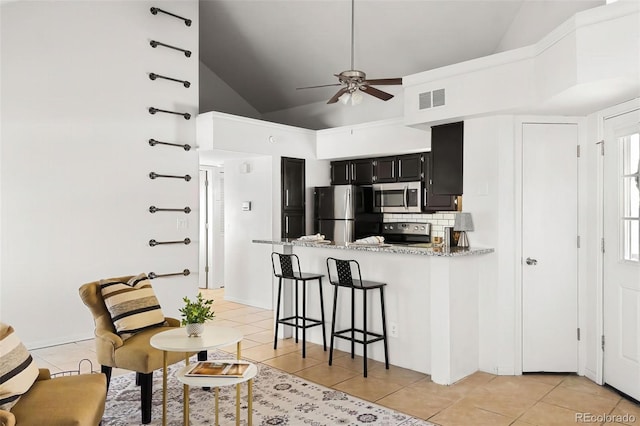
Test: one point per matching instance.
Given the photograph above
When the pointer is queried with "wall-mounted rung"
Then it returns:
(153, 110)
(154, 76)
(155, 10)
(154, 243)
(153, 275)
(155, 44)
(154, 142)
(154, 175)
(154, 209)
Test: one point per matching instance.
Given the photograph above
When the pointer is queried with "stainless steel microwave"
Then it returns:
(401, 197)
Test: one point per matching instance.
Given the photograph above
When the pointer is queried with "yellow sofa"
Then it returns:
(77, 400)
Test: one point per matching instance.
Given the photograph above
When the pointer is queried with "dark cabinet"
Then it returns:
(384, 169)
(446, 151)
(293, 224)
(293, 185)
(409, 167)
(340, 172)
(432, 202)
(362, 171)
(354, 172)
(293, 197)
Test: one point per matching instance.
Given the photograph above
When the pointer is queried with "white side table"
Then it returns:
(217, 382)
(177, 340)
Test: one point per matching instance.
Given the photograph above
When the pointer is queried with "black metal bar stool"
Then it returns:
(284, 269)
(340, 275)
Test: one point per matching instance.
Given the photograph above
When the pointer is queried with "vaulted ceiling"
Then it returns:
(265, 49)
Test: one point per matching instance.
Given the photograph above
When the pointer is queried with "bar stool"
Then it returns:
(284, 269)
(340, 275)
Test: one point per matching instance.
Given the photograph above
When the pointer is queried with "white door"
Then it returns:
(621, 228)
(549, 247)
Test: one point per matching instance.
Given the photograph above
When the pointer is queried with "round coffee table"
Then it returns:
(217, 382)
(177, 340)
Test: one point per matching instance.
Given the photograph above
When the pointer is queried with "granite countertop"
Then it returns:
(384, 248)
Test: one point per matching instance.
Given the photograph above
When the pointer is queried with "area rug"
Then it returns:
(279, 398)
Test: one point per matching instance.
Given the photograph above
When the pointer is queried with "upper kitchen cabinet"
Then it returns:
(409, 167)
(446, 152)
(362, 171)
(340, 172)
(432, 202)
(384, 169)
(355, 172)
(293, 184)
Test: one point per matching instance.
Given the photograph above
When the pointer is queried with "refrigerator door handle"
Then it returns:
(347, 205)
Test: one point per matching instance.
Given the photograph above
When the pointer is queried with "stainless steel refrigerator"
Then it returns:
(343, 213)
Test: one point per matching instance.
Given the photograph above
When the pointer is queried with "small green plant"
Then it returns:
(196, 312)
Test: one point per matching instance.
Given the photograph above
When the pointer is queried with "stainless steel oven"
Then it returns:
(401, 197)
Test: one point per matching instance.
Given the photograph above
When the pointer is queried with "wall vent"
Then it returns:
(425, 100)
(438, 97)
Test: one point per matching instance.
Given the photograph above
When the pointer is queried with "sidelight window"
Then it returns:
(630, 196)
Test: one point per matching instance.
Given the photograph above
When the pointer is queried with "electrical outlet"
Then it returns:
(393, 329)
(182, 223)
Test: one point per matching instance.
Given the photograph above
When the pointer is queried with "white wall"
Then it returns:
(75, 157)
(532, 19)
(216, 95)
(489, 196)
(244, 261)
(247, 139)
(587, 63)
(383, 137)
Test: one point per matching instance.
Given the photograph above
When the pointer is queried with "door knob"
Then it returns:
(531, 261)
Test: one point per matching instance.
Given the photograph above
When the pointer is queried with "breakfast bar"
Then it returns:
(431, 300)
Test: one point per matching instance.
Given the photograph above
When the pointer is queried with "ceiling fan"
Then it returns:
(355, 82)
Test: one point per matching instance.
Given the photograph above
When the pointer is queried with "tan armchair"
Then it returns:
(61, 401)
(134, 354)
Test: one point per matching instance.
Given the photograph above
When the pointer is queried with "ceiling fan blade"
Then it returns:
(377, 93)
(335, 97)
(322, 85)
(384, 81)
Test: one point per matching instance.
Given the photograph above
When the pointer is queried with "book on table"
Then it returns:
(218, 369)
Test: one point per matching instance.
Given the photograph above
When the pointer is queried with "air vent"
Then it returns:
(438, 97)
(431, 99)
(425, 100)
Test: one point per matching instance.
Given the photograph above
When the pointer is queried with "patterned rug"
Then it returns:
(279, 398)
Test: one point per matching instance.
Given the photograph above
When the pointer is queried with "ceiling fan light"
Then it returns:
(356, 98)
(344, 98)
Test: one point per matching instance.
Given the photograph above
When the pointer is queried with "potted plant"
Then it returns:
(195, 313)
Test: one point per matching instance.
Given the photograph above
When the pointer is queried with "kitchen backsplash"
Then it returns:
(438, 221)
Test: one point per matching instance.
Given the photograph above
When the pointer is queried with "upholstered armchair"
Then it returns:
(135, 353)
(30, 397)
(61, 401)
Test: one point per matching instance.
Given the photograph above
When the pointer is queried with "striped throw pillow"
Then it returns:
(133, 305)
(18, 371)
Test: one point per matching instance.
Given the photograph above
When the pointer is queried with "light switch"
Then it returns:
(246, 206)
(182, 223)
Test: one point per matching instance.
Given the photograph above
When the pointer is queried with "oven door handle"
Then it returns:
(405, 197)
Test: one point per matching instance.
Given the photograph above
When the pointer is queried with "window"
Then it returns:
(630, 196)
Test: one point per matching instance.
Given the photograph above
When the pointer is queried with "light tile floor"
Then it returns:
(480, 399)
